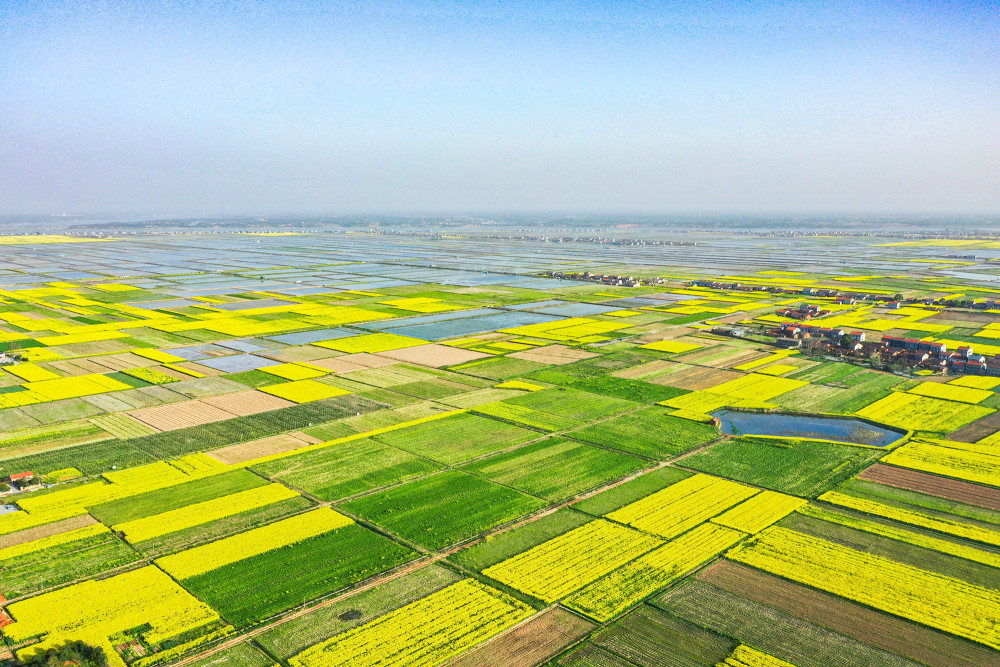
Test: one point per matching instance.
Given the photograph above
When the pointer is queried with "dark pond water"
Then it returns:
(851, 431)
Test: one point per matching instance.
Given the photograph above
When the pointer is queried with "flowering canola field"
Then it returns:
(683, 505)
(608, 597)
(194, 515)
(981, 465)
(933, 599)
(95, 610)
(253, 542)
(424, 633)
(759, 512)
(958, 528)
(556, 568)
(747, 656)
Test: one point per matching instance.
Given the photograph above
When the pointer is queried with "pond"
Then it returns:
(852, 431)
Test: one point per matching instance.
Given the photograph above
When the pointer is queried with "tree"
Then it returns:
(898, 297)
(75, 653)
(875, 359)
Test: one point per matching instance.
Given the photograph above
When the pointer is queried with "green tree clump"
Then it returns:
(75, 653)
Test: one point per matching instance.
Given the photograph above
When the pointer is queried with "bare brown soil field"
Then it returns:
(698, 378)
(367, 360)
(984, 318)
(338, 365)
(672, 333)
(434, 355)
(86, 366)
(206, 387)
(48, 530)
(353, 362)
(553, 354)
(735, 318)
(123, 360)
(889, 633)
(711, 354)
(249, 402)
(180, 415)
(978, 429)
(933, 485)
(530, 643)
(277, 444)
(68, 368)
(177, 375)
(648, 369)
(94, 349)
(746, 357)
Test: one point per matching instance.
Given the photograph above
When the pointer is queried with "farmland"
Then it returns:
(800, 467)
(424, 632)
(344, 470)
(457, 438)
(555, 469)
(899, 589)
(56, 563)
(312, 450)
(471, 504)
(243, 592)
(648, 432)
(566, 563)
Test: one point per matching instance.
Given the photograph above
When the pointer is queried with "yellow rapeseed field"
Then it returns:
(554, 569)
(922, 413)
(777, 356)
(519, 384)
(51, 541)
(380, 342)
(757, 387)
(671, 346)
(295, 371)
(95, 610)
(31, 372)
(951, 392)
(158, 355)
(941, 602)
(74, 501)
(975, 381)
(964, 463)
(746, 656)
(423, 633)
(968, 531)
(57, 389)
(759, 512)
(908, 536)
(222, 552)
(683, 505)
(197, 514)
(610, 596)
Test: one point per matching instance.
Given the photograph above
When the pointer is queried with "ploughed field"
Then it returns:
(345, 463)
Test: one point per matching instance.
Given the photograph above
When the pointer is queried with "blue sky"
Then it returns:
(199, 108)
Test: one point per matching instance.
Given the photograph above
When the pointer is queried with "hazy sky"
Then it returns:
(674, 106)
